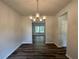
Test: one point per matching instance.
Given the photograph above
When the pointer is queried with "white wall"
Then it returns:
(10, 30)
(51, 27)
(72, 42)
(27, 27)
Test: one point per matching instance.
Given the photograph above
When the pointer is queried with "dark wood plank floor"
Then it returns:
(48, 51)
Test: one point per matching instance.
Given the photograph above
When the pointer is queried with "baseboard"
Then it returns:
(12, 52)
(48, 42)
(68, 56)
(57, 45)
(27, 43)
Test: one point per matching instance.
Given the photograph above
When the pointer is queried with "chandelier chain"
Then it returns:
(37, 6)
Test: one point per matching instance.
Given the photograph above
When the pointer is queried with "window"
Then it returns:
(39, 29)
(36, 29)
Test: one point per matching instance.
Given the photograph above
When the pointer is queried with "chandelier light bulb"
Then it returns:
(44, 17)
(37, 15)
(41, 20)
(31, 17)
(34, 20)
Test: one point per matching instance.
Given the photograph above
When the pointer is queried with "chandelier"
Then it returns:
(37, 17)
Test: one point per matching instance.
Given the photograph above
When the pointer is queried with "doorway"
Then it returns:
(38, 33)
(63, 30)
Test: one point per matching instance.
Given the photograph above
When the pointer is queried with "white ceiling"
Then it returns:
(28, 7)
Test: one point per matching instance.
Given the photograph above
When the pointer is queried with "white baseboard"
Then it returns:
(11, 52)
(48, 42)
(57, 45)
(68, 56)
(27, 43)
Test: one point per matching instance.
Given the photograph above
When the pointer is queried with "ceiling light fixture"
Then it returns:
(37, 17)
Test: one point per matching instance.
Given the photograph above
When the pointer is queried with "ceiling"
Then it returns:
(28, 7)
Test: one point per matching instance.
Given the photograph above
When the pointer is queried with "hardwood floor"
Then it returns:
(48, 51)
